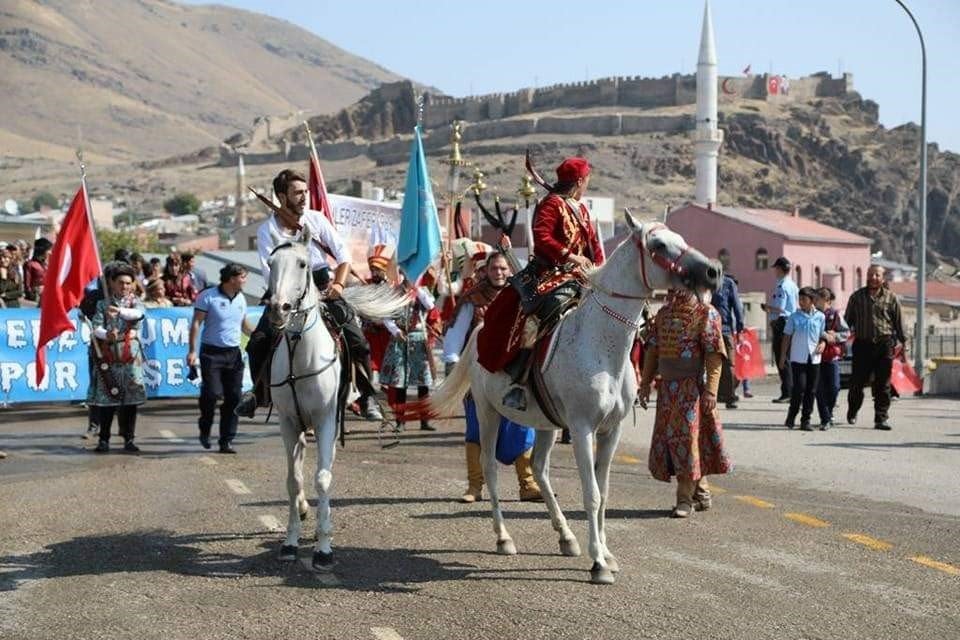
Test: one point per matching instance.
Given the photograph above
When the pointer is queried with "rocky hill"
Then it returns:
(151, 78)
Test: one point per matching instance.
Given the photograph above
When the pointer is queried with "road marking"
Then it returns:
(207, 460)
(757, 502)
(170, 435)
(936, 564)
(623, 457)
(717, 490)
(385, 633)
(810, 521)
(867, 541)
(237, 486)
(271, 523)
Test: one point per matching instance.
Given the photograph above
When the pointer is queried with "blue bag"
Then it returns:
(512, 440)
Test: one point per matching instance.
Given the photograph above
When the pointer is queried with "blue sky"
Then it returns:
(501, 45)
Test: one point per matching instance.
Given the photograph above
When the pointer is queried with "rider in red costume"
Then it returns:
(565, 245)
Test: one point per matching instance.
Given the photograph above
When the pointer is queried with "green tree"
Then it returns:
(182, 204)
(109, 241)
(45, 199)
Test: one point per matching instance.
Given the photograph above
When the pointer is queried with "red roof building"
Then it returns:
(753, 238)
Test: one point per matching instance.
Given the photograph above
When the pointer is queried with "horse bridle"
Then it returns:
(296, 309)
(662, 261)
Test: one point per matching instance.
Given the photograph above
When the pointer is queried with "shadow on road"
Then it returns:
(888, 445)
(357, 568)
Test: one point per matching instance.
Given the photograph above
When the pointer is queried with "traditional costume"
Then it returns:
(561, 228)
(685, 348)
(375, 333)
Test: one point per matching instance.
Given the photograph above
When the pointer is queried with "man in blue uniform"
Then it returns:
(783, 302)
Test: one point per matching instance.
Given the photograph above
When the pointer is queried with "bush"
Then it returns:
(45, 199)
(109, 241)
(182, 204)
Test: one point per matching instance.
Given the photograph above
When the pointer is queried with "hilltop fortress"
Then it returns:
(379, 126)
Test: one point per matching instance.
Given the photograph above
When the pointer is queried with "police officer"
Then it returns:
(222, 311)
(783, 301)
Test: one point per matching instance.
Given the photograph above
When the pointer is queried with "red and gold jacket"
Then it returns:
(562, 227)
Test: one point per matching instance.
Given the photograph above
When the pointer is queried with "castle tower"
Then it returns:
(240, 208)
(707, 137)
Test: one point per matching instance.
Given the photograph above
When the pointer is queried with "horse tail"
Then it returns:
(376, 301)
(447, 399)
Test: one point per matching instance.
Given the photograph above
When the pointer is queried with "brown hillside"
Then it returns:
(153, 78)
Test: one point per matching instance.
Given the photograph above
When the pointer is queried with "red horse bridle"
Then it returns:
(662, 261)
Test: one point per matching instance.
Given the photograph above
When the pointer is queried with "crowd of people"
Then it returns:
(686, 351)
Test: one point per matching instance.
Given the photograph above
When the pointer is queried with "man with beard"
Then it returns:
(468, 315)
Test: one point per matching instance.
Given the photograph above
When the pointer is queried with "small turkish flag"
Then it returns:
(73, 263)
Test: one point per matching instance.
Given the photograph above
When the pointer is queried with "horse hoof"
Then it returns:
(322, 561)
(612, 564)
(570, 548)
(288, 553)
(601, 575)
(506, 548)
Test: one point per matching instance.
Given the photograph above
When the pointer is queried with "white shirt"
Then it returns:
(456, 336)
(320, 228)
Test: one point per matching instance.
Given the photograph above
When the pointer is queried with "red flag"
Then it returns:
(904, 379)
(318, 189)
(748, 360)
(73, 263)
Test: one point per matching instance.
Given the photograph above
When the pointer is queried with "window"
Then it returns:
(762, 260)
(843, 279)
(859, 277)
(799, 277)
(817, 280)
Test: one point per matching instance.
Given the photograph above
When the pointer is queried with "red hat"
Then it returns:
(380, 256)
(572, 169)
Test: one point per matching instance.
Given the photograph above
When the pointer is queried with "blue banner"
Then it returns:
(164, 334)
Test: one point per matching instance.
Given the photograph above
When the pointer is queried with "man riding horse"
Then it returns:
(565, 244)
(288, 221)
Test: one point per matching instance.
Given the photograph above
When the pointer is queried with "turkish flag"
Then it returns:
(748, 361)
(904, 379)
(72, 264)
(318, 189)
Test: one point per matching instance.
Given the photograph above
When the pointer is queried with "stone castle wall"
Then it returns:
(487, 115)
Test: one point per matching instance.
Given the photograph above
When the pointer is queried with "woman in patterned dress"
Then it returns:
(117, 387)
(686, 348)
(407, 362)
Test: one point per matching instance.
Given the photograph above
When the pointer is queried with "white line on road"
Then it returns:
(207, 460)
(237, 486)
(170, 435)
(271, 523)
(385, 633)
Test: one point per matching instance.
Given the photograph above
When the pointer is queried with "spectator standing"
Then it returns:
(836, 332)
(803, 342)
(117, 386)
(35, 269)
(179, 288)
(156, 295)
(783, 302)
(11, 286)
(874, 316)
(726, 300)
(222, 312)
(197, 277)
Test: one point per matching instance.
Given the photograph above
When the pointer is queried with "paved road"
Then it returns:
(845, 534)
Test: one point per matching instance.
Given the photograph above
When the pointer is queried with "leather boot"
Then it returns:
(474, 474)
(529, 489)
(685, 489)
(516, 397)
(702, 498)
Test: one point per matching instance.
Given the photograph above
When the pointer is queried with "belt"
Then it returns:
(212, 348)
(677, 368)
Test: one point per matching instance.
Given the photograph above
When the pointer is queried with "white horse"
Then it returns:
(304, 376)
(589, 377)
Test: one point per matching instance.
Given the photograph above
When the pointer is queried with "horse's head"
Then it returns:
(291, 280)
(668, 262)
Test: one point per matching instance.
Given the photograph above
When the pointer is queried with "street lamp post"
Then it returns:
(919, 351)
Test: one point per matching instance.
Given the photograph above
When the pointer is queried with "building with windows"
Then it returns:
(751, 239)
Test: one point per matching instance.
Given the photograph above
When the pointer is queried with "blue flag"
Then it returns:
(419, 243)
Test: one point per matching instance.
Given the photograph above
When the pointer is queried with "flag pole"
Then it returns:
(96, 249)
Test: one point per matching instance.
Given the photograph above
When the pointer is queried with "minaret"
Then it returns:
(240, 209)
(708, 137)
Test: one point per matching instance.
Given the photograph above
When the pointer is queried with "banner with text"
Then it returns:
(164, 334)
